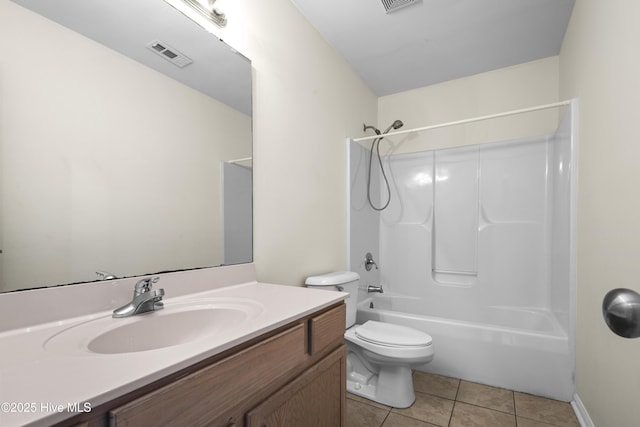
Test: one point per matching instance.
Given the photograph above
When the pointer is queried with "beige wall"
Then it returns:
(307, 100)
(600, 64)
(521, 86)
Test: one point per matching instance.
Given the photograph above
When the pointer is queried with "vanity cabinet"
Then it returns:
(294, 376)
(312, 399)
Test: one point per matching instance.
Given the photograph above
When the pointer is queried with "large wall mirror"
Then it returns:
(114, 157)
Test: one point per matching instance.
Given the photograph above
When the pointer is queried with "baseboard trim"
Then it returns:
(581, 412)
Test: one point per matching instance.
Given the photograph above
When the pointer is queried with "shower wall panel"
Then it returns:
(364, 222)
(411, 179)
(406, 225)
(561, 170)
(455, 227)
(471, 223)
(514, 186)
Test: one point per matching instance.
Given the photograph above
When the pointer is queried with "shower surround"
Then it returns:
(475, 249)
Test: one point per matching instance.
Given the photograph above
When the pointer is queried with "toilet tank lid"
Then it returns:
(332, 279)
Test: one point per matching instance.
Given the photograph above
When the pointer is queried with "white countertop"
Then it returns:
(36, 382)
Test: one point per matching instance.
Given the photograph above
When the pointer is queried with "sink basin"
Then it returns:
(177, 324)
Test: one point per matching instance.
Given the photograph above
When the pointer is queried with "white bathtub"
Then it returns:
(519, 349)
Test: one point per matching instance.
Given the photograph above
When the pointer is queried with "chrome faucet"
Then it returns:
(144, 299)
(372, 288)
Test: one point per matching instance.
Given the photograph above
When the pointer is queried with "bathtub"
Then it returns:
(519, 349)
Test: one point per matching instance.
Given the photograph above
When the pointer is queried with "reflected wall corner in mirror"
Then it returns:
(136, 164)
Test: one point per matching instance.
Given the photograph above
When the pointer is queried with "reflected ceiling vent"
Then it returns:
(393, 5)
(169, 53)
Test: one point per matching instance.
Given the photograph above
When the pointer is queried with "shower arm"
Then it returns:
(366, 127)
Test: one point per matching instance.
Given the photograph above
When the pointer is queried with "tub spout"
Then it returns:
(372, 288)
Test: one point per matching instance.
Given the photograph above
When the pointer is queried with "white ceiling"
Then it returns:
(127, 26)
(428, 42)
(432, 41)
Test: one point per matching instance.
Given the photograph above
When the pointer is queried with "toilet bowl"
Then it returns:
(380, 356)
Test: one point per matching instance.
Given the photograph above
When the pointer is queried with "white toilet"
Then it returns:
(380, 356)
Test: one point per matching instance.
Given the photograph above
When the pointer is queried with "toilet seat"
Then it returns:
(388, 334)
(405, 353)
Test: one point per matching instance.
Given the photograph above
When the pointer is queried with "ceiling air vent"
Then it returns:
(169, 53)
(393, 5)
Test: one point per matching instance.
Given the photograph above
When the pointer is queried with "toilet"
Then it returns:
(380, 356)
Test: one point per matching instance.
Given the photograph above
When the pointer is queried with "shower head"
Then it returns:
(375, 129)
(395, 125)
(376, 143)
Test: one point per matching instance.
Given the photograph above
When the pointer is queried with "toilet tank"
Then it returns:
(346, 281)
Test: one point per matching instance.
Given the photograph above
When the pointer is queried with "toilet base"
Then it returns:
(396, 383)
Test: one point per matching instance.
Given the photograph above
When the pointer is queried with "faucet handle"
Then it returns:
(144, 285)
(105, 275)
(369, 262)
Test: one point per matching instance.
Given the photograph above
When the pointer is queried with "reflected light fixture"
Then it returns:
(202, 12)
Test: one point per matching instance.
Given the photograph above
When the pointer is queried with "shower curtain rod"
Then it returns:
(244, 159)
(471, 120)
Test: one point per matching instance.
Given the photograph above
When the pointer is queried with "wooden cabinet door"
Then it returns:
(317, 398)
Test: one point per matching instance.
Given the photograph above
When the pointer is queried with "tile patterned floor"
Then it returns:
(450, 402)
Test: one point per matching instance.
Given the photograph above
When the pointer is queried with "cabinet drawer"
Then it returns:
(327, 328)
(199, 398)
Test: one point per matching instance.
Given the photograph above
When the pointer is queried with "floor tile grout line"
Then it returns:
(537, 421)
(385, 417)
(436, 395)
(419, 419)
(487, 407)
(390, 410)
(453, 409)
(455, 400)
(413, 418)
